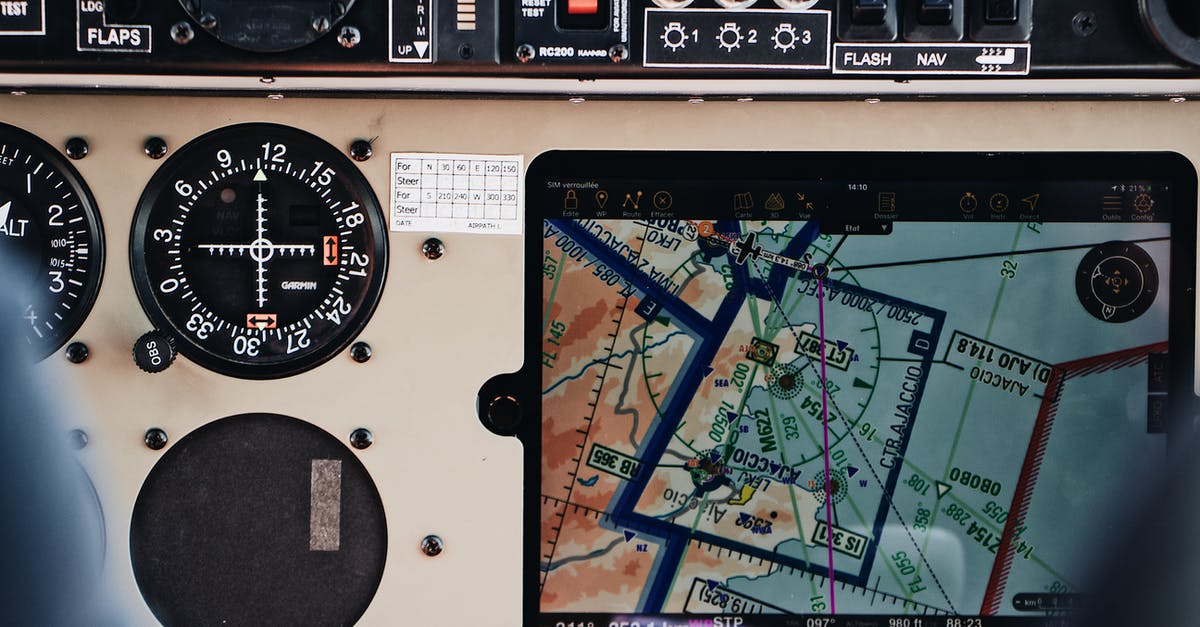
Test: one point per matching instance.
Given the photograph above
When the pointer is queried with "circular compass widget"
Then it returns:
(1116, 281)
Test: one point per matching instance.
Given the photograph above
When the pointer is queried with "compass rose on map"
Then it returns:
(1116, 281)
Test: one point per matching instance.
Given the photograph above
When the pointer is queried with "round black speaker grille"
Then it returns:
(258, 519)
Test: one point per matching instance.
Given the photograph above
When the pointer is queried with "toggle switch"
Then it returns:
(935, 12)
(1000, 11)
(869, 11)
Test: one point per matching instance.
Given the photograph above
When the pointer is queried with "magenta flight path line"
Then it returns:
(825, 421)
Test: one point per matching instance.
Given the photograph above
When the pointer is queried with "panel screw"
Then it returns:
(321, 24)
(182, 33)
(618, 53)
(361, 438)
(433, 249)
(360, 352)
(525, 53)
(349, 37)
(504, 413)
(77, 352)
(77, 148)
(466, 51)
(432, 546)
(208, 21)
(274, 96)
(156, 438)
(156, 148)
(1084, 23)
(360, 150)
(78, 439)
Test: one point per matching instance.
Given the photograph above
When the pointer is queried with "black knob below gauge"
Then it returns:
(260, 249)
(153, 352)
(267, 25)
(1116, 281)
(51, 240)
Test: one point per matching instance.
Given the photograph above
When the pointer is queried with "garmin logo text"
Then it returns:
(298, 286)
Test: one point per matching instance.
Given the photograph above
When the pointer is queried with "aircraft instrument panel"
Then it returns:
(599, 313)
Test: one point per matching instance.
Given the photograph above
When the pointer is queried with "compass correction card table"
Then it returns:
(760, 394)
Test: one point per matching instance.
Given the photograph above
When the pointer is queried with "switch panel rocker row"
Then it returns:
(589, 39)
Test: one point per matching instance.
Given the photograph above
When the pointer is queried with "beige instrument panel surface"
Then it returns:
(444, 327)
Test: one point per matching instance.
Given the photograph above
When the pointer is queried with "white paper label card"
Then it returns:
(457, 193)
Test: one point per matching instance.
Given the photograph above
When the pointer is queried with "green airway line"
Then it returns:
(553, 291)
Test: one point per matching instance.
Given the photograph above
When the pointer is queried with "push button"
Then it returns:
(582, 14)
(1000, 11)
(870, 11)
(935, 12)
(583, 7)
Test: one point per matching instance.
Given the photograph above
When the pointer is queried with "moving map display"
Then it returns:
(788, 388)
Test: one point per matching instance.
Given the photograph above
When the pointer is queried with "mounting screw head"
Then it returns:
(349, 37)
(360, 352)
(361, 438)
(156, 148)
(208, 21)
(433, 249)
(1084, 23)
(432, 545)
(525, 53)
(77, 352)
(321, 24)
(618, 53)
(77, 148)
(182, 33)
(360, 150)
(155, 439)
(78, 439)
(504, 414)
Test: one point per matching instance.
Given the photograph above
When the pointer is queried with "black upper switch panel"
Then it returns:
(1000, 11)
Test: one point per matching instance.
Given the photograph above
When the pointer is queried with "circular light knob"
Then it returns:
(1176, 26)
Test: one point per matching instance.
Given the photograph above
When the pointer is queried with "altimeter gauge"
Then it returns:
(51, 240)
(260, 248)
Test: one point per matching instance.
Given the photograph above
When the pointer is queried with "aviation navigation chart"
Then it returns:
(758, 416)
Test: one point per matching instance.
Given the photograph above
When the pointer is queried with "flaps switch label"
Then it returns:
(93, 33)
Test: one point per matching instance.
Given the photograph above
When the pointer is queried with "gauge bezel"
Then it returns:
(91, 212)
(247, 368)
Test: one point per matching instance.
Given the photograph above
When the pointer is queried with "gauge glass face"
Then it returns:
(267, 25)
(261, 248)
(50, 240)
